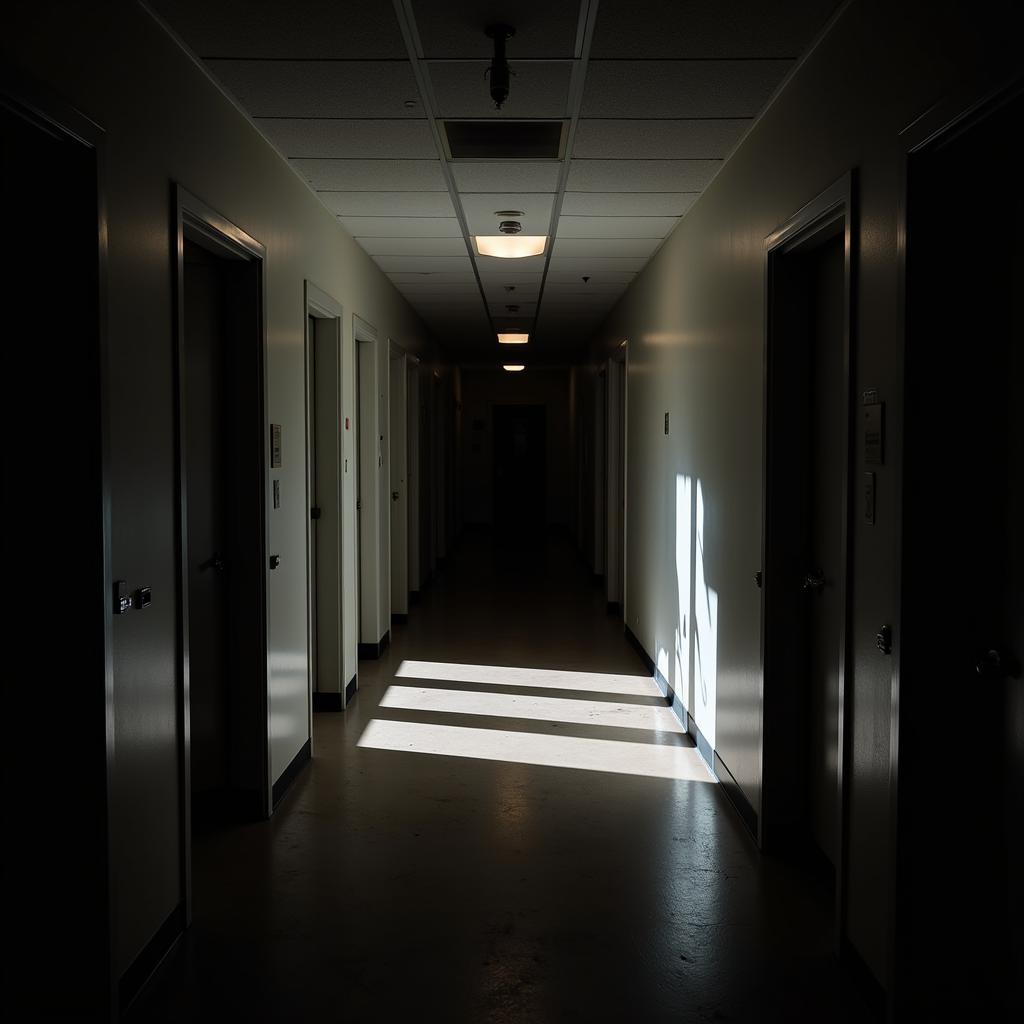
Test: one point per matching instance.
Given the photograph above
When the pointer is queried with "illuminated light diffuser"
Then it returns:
(511, 247)
(513, 367)
(513, 338)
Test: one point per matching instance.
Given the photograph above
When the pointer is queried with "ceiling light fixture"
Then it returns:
(511, 247)
(513, 367)
(513, 337)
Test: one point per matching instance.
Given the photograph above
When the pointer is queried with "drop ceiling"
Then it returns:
(653, 96)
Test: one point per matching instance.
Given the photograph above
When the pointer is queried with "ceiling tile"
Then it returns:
(615, 227)
(423, 264)
(679, 88)
(431, 278)
(344, 137)
(388, 204)
(315, 88)
(537, 90)
(627, 204)
(372, 175)
(414, 246)
(480, 208)
(576, 286)
(641, 175)
(500, 309)
(699, 28)
(268, 28)
(455, 28)
(574, 269)
(402, 227)
(605, 247)
(693, 139)
(506, 176)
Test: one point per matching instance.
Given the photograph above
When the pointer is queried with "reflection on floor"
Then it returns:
(507, 825)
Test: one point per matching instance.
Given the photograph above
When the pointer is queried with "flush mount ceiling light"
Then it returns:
(513, 338)
(513, 367)
(511, 247)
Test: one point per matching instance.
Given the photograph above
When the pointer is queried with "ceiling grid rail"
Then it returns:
(414, 46)
(577, 84)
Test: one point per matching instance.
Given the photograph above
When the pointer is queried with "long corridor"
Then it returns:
(507, 825)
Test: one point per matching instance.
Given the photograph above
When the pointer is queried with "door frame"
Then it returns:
(835, 205)
(959, 111)
(398, 460)
(192, 213)
(319, 305)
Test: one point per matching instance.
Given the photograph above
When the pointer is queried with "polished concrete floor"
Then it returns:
(486, 844)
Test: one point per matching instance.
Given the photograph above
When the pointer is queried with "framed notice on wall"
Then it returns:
(275, 445)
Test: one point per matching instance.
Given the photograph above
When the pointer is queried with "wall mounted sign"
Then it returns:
(874, 429)
(275, 445)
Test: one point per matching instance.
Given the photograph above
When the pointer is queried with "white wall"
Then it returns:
(166, 122)
(695, 324)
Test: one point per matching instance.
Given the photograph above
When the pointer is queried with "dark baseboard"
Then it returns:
(639, 648)
(414, 597)
(401, 618)
(703, 747)
(370, 652)
(152, 955)
(327, 702)
(350, 690)
(288, 775)
(736, 795)
(864, 978)
(614, 607)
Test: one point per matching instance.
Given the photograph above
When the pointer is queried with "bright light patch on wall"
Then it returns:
(653, 760)
(511, 247)
(513, 367)
(513, 338)
(538, 678)
(570, 711)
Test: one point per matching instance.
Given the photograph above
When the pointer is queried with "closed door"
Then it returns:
(208, 567)
(961, 687)
(519, 471)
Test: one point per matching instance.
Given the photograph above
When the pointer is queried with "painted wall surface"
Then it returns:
(482, 389)
(166, 122)
(695, 324)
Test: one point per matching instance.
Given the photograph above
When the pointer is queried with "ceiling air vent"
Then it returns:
(504, 140)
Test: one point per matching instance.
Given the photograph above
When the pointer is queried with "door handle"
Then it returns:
(994, 664)
(814, 581)
(394, 495)
(214, 562)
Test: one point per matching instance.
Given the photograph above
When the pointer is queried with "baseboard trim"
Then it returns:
(864, 978)
(639, 648)
(736, 796)
(401, 618)
(350, 690)
(327, 701)
(370, 652)
(288, 775)
(704, 748)
(150, 957)
(614, 607)
(414, 597)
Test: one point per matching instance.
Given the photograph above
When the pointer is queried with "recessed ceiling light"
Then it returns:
(511, 247)
(513, 338)
(513, 367)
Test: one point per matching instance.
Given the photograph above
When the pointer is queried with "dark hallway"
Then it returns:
(397, 885)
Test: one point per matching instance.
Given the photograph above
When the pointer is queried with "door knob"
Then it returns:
(394, 495)
(814, 581)
(995, 664)
(214, 562)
